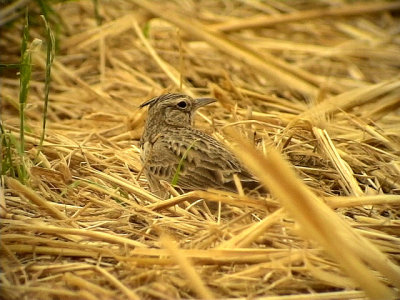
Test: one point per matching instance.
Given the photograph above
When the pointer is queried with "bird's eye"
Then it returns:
(182, 104)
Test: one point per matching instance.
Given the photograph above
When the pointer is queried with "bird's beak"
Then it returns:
(199, 102)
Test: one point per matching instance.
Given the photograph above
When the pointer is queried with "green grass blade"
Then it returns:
(25, 76)
(49, 62)
(8, 143)
(25, 71)
(175, 179)
(52, 17)
(5, 153)
(9, 66)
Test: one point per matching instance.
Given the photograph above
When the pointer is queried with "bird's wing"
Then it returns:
(206, 163)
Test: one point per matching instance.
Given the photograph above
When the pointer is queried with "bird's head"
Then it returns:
(174, 109)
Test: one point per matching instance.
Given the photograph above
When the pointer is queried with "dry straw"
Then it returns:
(308, 98)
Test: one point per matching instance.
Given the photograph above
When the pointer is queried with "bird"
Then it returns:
(171, 149)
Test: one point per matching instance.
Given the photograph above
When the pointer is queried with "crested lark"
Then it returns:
(171, 147)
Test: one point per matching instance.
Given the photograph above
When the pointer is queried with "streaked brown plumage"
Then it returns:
(169, 133)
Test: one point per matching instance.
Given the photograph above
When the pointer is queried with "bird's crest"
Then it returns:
(161, 98)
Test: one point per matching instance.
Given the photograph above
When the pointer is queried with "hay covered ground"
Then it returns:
(308, 97)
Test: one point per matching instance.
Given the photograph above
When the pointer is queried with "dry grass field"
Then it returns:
(308, 98)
